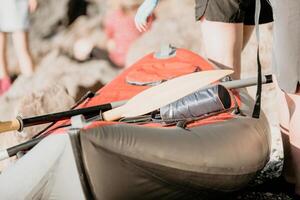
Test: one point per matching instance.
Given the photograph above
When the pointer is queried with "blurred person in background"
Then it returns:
(286, 64)
(120, 31)
(14, 18)
(226, 27)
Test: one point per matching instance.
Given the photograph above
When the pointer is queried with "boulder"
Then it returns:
(53, 98)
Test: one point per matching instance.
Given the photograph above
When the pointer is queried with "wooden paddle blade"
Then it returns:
(166, 93)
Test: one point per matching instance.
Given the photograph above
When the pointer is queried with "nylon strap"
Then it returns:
(257, 106)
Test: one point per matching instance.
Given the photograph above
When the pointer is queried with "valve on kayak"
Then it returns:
(166, 51)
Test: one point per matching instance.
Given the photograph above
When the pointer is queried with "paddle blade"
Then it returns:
(167, 92)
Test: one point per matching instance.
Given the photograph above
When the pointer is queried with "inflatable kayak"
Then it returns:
(145, 159)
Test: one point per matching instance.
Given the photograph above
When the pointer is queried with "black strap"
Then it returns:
(257, 106)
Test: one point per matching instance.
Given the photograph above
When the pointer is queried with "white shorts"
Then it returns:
(286, 43)
(14, 15)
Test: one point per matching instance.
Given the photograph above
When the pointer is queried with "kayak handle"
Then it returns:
(13, 125)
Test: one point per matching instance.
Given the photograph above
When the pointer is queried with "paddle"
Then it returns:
(146, 101)
(12, 151)
(19, 123)
(165, 93)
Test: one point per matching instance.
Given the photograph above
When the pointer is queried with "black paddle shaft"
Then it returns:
(54, 117)
(12, 151)
(43, 119)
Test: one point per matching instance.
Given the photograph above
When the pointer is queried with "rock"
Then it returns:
(47, 18)
(263, 196)
(60, 69)
(53, 98)
(84, 28)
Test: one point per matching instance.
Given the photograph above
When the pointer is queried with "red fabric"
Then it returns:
(151, 71)
(121, 29)
(118, 89)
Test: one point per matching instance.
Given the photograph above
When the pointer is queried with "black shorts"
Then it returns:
(233, 11)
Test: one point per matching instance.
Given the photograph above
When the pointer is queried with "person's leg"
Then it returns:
(223, 44)
(5, 81)
(284, 122)
(3, 60)
(20, 40)
(247, 32)
(286, 48)
(295, 135)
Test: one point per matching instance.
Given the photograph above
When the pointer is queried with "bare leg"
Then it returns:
(223, 44)
(3, 60)
(284, 119)
(295, 136)
(289, 116)
(20, 40)
(247, 32)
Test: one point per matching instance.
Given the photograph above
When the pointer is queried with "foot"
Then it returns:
(5, 84)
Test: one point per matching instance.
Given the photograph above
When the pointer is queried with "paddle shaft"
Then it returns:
(19, 123)
(87, 112)
(246, 82)
(12, 151)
